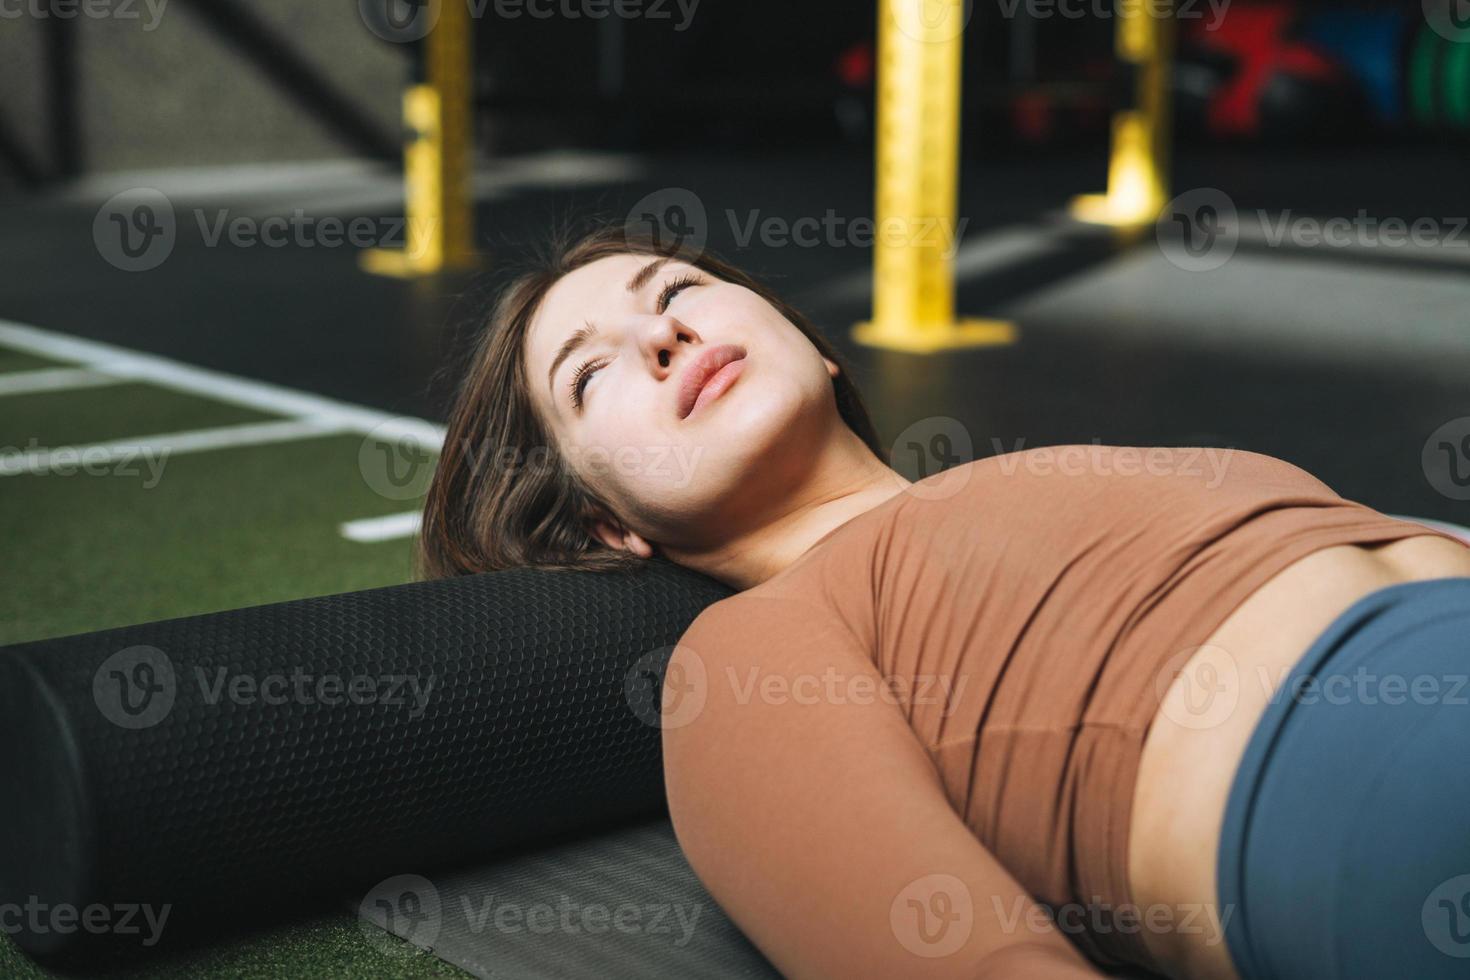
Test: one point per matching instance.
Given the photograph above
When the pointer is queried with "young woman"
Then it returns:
(1180, 709)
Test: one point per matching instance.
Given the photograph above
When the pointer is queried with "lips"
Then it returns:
(707, 378)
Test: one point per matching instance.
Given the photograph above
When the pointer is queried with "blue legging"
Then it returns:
(1345, 852)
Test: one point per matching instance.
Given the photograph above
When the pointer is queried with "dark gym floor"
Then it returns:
(1343, 361)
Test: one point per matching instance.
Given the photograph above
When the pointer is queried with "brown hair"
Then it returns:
(501, 495)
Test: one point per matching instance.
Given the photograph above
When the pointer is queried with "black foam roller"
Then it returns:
(137, 767)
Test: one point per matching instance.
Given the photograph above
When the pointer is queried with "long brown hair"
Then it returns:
(501, 495)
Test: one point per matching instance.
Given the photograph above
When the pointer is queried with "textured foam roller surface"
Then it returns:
(179, 763)
(623, 903)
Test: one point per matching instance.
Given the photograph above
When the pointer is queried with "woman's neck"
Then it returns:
(849, 480)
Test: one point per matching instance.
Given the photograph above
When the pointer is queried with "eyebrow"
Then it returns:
(586, 333)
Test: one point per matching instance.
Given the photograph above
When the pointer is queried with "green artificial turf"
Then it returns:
(89, 415)
(327, 947)
(191, 533)
(14, 360)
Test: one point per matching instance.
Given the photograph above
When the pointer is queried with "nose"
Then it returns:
(660, 339)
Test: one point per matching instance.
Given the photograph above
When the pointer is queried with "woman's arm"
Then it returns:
(811, 812)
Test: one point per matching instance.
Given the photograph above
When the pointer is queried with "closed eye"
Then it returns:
(580, 378)
(673, 288)
(666, 296)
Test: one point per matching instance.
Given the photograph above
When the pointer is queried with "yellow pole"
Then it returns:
(1138, 171)
(918, 108)
(438, 116)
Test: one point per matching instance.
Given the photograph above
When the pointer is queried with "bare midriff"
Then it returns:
(1190, 757)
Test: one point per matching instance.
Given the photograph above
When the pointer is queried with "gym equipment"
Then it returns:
(916, 216)
(206, 764)
(438, 126)
(1138, 169)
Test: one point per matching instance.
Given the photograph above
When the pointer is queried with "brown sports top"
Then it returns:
(1042, 600)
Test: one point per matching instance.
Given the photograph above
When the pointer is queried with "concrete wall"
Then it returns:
(161, 88)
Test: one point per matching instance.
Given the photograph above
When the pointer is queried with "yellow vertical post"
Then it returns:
(438, 116)
(920, 43)
(1138, 171)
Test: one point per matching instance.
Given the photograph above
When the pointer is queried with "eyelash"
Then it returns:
(665, 297)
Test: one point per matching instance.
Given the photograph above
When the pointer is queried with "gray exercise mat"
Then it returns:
(620, 904)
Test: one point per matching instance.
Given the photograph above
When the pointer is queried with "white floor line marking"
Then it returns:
(391, 527)
(158, 448)
(219, 386)
(53, 379)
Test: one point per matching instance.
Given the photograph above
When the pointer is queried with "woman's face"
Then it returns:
(616, 355)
